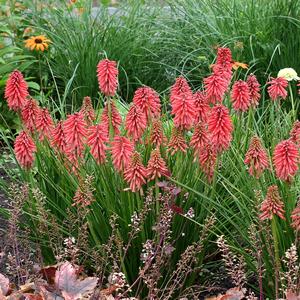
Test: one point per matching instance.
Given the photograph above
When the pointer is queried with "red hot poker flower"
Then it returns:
(107, 74)
(156, 135)
(177, 142)
(157, 167)
(16, 90)
(272, 205)
(220, 127)
(286, 159)
(295, 133)
(135, 174)
(201, 106)
(148, 101)
(254, 90)
(29, 114)
(97, 137)
(277, 88)
(44, 123)
(295, 216)
(75, 132)
(135, 122)
(180, 87)
(24, 150)
(199, 139)
(58, 138)
(215, 87)
(256, 157)
(121, 150)
(240, 96)
(88, 111)
(207, 160)
(116, 119)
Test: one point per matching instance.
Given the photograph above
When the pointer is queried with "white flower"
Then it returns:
(289, 74)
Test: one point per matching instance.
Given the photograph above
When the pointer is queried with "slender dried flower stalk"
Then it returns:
(121, 149)
(256, 157)
(272, 204)
(220, 127)
(88, 111)
(107, 74)
(177, 142)
(24, 150)
(135, 174)
(286, 160)
(84, 193)
(235, 265)
(16, 90)
(135, 122)
(157, 167)
(277, 88)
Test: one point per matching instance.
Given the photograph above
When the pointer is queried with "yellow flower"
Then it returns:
(289, 74)
(39, 43)
(236, 65)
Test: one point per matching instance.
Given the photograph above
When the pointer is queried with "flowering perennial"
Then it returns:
(240, 96)
(107, 73)
(277, 88)
(156, 166)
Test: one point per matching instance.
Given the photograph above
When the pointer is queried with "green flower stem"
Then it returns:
(277, 257)
(294, 114)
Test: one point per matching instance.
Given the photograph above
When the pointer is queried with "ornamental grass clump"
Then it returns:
(214, 144)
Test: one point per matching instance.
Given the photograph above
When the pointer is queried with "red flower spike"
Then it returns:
(157, 167)
(177, 142)
(180, 87)
(295, 216)
(58, 140)
(135, 122)
(88, 111)
(220, 127)
(272, 205)
(29, 114)
(256, 157)
(44, 124)
(207, 160)
(277, 88)
(215, 88)
(107, 74)
(75, 133)
(286, 160)
(199, 138)
(148, 101)
(295, 133)
(97, 137)
(24, 150)
(157, 137)
(254, 90)
(116, 118)
(201, 106)
(240, 96)
(16, 90)
(121, 150)
(135, 174)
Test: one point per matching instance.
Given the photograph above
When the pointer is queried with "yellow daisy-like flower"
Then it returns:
(38, 43)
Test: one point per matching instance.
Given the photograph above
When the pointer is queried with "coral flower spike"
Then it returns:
(97, 138)
(44, 123)
(29, 114)
(156, 135)
(272, 205)
(179, 88)
(177, 142)
(156, 166)
(240, 96)
(135, 174)
(107, 74)
(254, 90)
(277, 88)
(58, 140)
(207, 160)
(16, 91)
(116, 119)
(215, 88)
(286, 160)
(199, 138)
(256, 157)
(295, 216)
(135, 122)
(88, 111)
(201, 106)
(24, 150)
(220, 127)
(148, 101)
(295, 133)
(121, 150)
